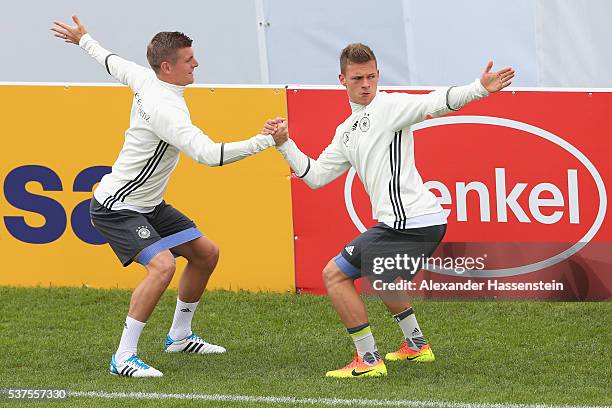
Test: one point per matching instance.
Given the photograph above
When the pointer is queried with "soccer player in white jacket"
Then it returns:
(128, 207)
(377, 142)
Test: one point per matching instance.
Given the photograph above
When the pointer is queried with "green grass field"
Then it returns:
(281, 345)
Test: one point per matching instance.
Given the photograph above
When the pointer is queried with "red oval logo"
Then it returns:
(499, 193)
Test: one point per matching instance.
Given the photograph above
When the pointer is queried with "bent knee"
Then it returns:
(214, 254)
(162, 267)
(333, 274)
(206, 258)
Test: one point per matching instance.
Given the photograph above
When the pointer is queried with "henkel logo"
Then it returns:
(506, 199)
(501, 180)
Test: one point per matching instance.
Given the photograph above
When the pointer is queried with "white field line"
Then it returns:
(309, 401)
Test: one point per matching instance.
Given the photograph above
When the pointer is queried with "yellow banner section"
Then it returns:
(55, 138)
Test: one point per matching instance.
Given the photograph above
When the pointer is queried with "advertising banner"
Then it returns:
(60, 140)
(522, 175)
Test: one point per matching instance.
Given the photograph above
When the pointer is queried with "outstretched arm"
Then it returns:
(409, 109)
(489, 82)
(330, 165)
(68, 33)
(174, 127)
(498, 80)
(126, 72)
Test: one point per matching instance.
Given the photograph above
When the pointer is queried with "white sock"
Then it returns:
(364, 343)
(181, 324)
(129, 339)
(410, 327)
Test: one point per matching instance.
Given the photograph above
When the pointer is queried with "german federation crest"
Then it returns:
(364, 124)
(143, 232)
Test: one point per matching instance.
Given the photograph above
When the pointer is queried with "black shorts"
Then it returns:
(386, 253)
(131, 233)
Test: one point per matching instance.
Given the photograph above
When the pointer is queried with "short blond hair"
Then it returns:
(357, 53)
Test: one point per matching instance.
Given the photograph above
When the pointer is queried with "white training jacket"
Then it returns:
(376, 140)
(160, 128)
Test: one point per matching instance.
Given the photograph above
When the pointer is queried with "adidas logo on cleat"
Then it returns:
(133, 367)
(192, 344)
